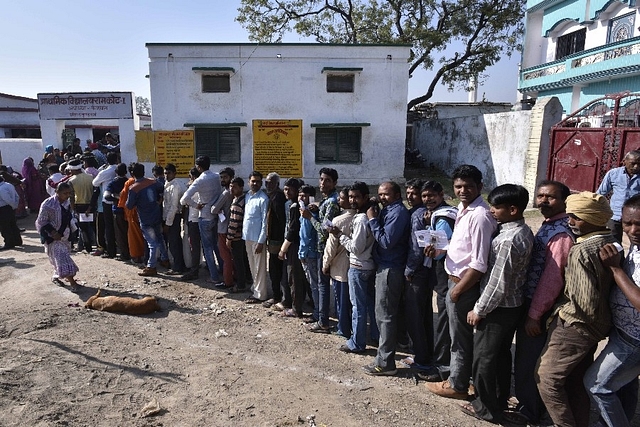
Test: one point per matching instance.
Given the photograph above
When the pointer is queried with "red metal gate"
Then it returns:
(593, 140)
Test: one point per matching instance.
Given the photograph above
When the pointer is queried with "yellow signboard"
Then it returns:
(176, 147)
(277, 147)
(144, 146)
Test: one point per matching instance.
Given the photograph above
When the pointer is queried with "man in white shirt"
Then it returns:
(172, 217)
(9, 200)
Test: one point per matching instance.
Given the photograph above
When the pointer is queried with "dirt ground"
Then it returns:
(205, 359)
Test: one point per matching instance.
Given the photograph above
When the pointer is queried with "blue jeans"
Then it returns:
(616, 369)
(362, 295)
(389, 285)
(343, 307)
(324, 295)
(209, 238)
(153, 235)
(309, 266)
(461, 337)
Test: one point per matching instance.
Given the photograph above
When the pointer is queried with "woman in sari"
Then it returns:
(55, 224)
(35, 188)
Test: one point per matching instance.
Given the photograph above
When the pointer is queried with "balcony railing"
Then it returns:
(590, 65)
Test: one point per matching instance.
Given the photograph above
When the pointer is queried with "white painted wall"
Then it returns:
(290, 87)
(495, 143)
(15, 150)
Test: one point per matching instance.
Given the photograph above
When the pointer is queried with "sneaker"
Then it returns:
(214, 282)
(148, 271)
(97, 252)
(190, 275)
(378, 371)
(444, 389)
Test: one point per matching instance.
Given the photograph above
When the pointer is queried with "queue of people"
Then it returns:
(559, 292)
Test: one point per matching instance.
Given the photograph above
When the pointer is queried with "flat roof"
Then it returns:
(278, 44)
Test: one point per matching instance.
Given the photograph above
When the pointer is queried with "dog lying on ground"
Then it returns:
(125, 305)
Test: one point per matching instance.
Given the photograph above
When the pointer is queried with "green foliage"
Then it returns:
(454, 39)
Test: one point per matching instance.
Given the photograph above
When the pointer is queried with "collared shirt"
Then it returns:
(308, 247)
(416, 259)
(8, 195)
(504, 282)
(208, 187)
(146, 195)
(173, 191)
(623, 313)
(335, 255)
(328, 209)
(222, 206)
(552, 244)
(391, 232)
(587, 286)
(623, 187)
(471, 239)
(254, 226)
(104, 177)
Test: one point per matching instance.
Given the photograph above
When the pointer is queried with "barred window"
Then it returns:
(340, 82)
(216, 83)
(570, 43)
(222, 145)
(338, 145)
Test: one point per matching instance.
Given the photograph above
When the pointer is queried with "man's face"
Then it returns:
(225, 179)
(432, 199)
(549, 201)
(466, 190)
(579, 226)
(631, 224)
(387, 195)
(169, 175)
(632, 164)
(236, 190)
(291, 193)
(357, 200)
(304, 198)
(326, 184)
(255, 183)
(271, 184)
(501, 213)
(413, 197)
(344, 201)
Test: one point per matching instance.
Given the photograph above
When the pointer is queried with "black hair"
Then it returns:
(91, 161)
(467, 172)
(255, 173)
(130, 167)
(239, 181)
(204, 162)
(63, 186)
(415, 183)
(632, 202)
(394, 187)
(54, 168)
(361, 187)
(432, 186)
(308, 190)
(138, 170)
(170, 167)
(345, 190)
(330, 172)
(510, 195)
(564, 190)
(158, 170)
(293, 183)
(121, 169)
(194, 172)
(112, 158)
(228, 171)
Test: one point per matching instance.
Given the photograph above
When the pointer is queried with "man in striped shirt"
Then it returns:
(234, 233)
(582, 318)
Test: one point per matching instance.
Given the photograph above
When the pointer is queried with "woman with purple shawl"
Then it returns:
(55, 224)
(35, 189)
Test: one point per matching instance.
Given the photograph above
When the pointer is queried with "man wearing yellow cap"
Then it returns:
(582, 317)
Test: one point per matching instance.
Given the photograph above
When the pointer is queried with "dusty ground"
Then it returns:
(206, 359)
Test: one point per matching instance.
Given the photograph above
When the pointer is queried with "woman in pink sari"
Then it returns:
(35, 189)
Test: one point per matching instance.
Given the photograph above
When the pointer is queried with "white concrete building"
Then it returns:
(350, 99)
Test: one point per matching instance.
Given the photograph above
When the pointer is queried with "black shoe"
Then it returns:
(6, 248)
(192, 275)
(345, 348)
(379, 371)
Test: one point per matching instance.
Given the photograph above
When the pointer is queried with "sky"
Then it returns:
(99, 46)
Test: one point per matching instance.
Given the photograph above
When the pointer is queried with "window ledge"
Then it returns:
(222, 70)
(339, 125)
(337, 70)
(214, 125)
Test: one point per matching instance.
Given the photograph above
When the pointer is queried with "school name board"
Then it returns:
(175, 147)
(277, 147)
(82, 106)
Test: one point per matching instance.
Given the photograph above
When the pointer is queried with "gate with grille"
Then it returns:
(593, 140)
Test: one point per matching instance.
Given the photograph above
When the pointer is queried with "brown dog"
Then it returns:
(125, 305)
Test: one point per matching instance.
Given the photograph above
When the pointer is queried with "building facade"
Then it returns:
(349, 102)
(580, 50)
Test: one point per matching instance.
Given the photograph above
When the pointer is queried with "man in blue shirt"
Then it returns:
(622, 183)
(390, 227)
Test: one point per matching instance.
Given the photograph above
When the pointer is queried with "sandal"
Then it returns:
(252, 300)
(278, 307)
(268, 303)
(468, 409)
(57, 281)
(514, 417)
(289, 312)
(318, 328)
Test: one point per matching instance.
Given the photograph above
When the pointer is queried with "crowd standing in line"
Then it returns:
(559, 292)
